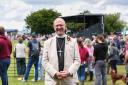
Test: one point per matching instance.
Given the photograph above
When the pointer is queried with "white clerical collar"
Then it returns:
(63, 36)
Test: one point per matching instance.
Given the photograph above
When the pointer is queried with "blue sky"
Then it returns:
(13, 12)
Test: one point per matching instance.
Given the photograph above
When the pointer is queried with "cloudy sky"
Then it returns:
(13, 12)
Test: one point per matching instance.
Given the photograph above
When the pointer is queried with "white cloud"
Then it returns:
(13, 25)
(75, 8)
(116, 2)
(13, 12)
(95, 6)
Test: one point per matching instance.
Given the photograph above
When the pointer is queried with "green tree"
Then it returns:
(41, 21)
(113, 23)
(75, 26)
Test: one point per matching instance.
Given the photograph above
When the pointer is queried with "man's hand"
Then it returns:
(58, 76)
(64, 74)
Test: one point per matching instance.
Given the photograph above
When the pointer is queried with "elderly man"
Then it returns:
(61, 57)
(5, 52)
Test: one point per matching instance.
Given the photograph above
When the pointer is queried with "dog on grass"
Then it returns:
(115, 77)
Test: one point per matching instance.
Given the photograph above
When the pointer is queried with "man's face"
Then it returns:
(59, 26)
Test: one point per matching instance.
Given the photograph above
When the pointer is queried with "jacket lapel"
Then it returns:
(54, 49)
(66, 49)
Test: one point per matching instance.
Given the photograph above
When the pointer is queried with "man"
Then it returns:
(5, 52)
(100, 54)
(61, 58)
(34, 50)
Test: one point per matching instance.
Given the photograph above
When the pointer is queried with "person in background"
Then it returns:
(94, 39)
(5, 52)
(126, 58)
(34, 51)
(83, 57)
(41, 69)
(117, 42)
(100, 54)
(90, 48)
(113, 56)
(19, 54)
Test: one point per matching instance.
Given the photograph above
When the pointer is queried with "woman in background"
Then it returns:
(113, 56)
(90, 48)
(83, 57)
(20, 53)
(100, 54)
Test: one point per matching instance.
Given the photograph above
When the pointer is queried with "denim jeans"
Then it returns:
(4, 64)
(113, 64)
(100, 73)
(81, 72)
(40, 67)
(21, 66)
(32, 61)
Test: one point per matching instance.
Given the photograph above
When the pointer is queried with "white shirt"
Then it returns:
(20, 50)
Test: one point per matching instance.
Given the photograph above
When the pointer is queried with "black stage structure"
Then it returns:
(93, 23)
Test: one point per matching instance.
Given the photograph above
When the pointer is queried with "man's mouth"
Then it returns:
(60, 29)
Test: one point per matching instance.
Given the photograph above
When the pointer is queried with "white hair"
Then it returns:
(88, 41)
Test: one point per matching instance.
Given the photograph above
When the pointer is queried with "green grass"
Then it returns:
(14, 81)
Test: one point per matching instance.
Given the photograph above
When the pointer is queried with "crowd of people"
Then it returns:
(65, 59)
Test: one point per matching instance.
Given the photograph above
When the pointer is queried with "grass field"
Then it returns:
(14, 81)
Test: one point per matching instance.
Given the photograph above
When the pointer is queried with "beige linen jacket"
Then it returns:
(50, 59)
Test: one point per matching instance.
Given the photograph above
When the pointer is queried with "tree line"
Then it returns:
(41, 22)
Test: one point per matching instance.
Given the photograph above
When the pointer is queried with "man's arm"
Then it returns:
(39, 46)
(10, 46)
(47, 66)
(28, 48)
(74, 67)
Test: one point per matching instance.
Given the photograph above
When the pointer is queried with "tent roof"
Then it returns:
(11, 30)
(80, 18)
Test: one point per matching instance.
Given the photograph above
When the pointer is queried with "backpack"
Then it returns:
(35, 50)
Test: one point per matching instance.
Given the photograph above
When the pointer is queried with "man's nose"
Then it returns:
(59, 27)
